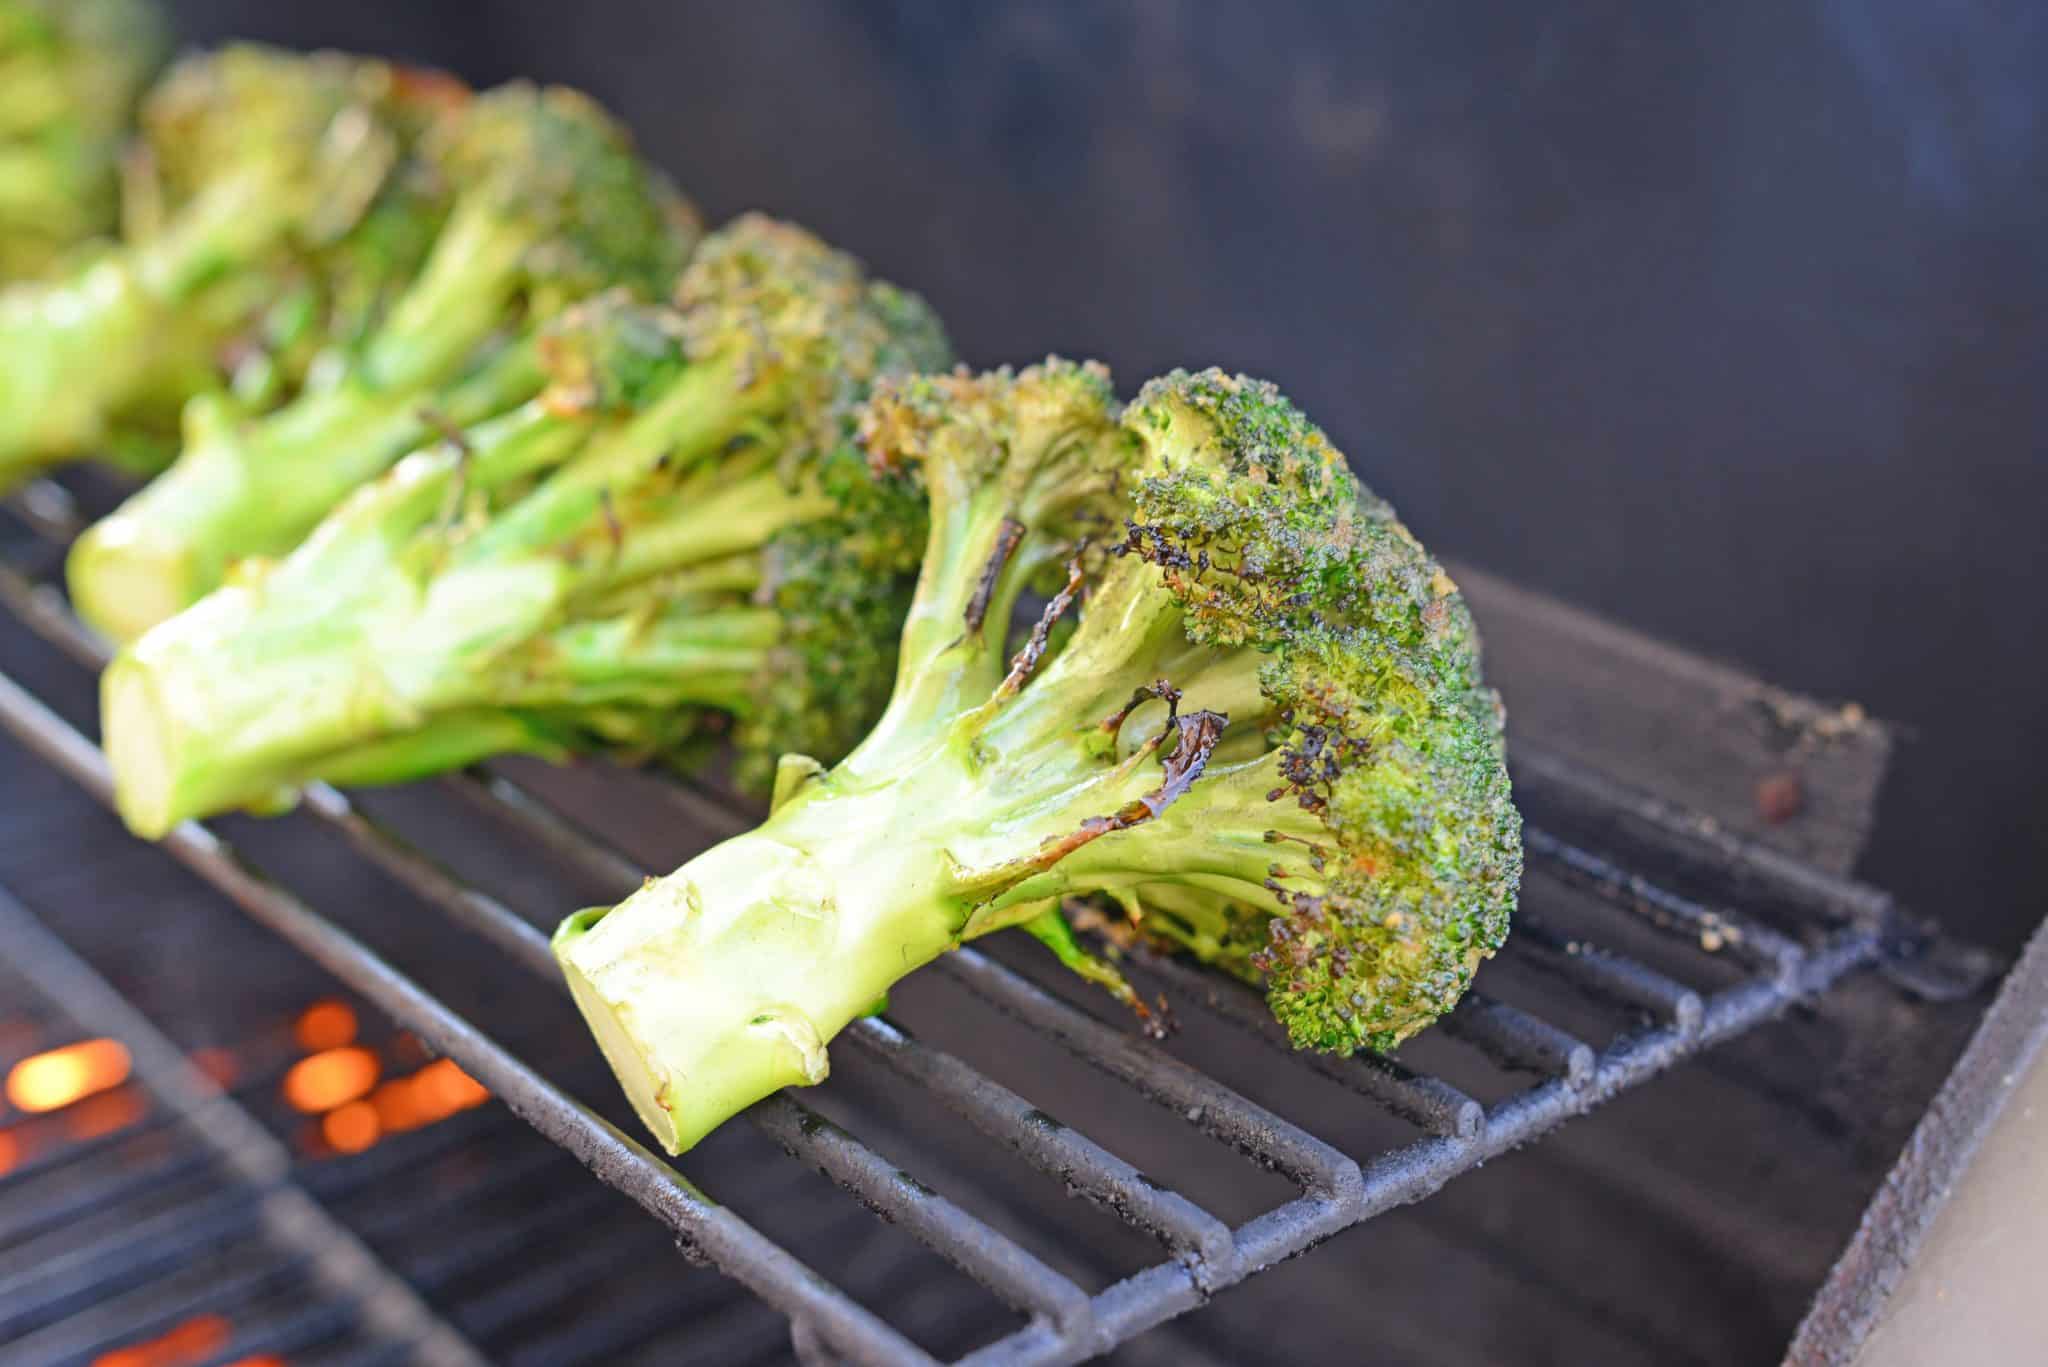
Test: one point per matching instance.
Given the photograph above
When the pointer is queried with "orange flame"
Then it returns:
(191, 1341)
(54, 1079)
(331, 1078)
(10, 1151)
(351, 1128)
(325, 1025)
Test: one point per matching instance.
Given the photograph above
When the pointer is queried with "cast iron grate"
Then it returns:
(1796, 933)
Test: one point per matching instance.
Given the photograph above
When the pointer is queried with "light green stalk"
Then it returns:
(381, 647)
(255, 487)
(76, 355)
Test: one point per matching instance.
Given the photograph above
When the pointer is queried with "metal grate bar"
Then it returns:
(718, 1234)
(997, 1262)
(1255, 1131)
(524, 1294)
(445, 1265)
(1428, 1103)
(50, 1286)
(510, 803)
(1712, 929)
(290, 1336)
(32, 1170)
(337, 1256)
(1518, 1041)
(1189, 1232)
(1681, 833)
(1615, 977)
(409, 1210)
(77, 1200)
(141, 1312)
(339, 1176)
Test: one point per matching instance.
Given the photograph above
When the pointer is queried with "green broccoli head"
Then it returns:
(795, 318)
(1247, 723)
(549, 166)
(675, 537)
(269, 191)
(1377, 718)
(71, 72)
(309, 138)
(429, 313)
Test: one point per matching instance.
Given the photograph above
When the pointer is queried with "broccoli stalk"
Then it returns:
(253, 163)
(677, 531)
(549, 206)
(70, 74)
(1265, 743)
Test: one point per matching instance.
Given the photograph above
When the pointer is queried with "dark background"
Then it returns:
(1728, 321)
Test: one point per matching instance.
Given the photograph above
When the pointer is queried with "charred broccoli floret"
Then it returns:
(70, 74)
(547, 205)
(678, 531)
(1263, 741)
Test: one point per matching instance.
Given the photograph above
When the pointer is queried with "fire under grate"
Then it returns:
(1767, 931)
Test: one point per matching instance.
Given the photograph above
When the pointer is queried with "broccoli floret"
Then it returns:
(254, 172)
(70, 74)
(547, 205)
(677, 534)
(1264, 742)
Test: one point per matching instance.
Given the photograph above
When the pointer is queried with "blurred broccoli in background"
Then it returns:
(271, 197)
(71, 72)
(539, 201)
(677, 533)
(1264, 742)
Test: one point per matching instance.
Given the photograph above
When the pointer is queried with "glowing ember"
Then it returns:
(325, 1025)
(331, 1078)
(194, 1340)
(10, 1151)
(105, 1113)
(52, 1080)
(427, 1097)
(351, 1128)
(447, 1089)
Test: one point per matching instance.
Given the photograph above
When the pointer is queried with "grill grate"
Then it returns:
(257, 1234)
(1799, 933)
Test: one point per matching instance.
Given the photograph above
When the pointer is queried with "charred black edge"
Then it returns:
(1112, 724)
(1007, 537)
(1034, 649)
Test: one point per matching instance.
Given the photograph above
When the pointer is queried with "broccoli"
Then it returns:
(70, 74)
(549, 206)
(256, 169)
(1262, 741)
(677, 534)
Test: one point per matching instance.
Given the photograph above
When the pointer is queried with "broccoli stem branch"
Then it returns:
(77, 354)
(712, 988)
(721, 983)
(253, 489)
